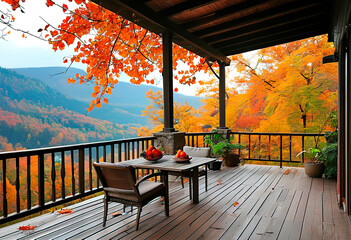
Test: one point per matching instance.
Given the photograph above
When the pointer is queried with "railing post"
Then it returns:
(269, 147)
(249, 146)
(4, 199)
(259, 147)
(72, 172)
(303, 148)
(81, 170)
(239, 141)
(112, 153)
(53, 177)
(29, 193)
(18, 205)
(90, 169)
(290, 147)
(63, 175)
(41, 178)
(281, 151)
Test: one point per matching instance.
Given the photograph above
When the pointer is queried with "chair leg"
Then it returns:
(138, 218)
(124, 208)
(105, 211)
(181, 177)
(190, 189)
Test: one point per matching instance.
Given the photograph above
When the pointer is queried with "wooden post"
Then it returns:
(167, 82)
(348, 125)
(222, 95)
(81, 170)
(41, 179)
(341, 125)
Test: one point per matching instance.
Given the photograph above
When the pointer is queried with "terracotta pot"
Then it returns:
(314, 169)
(231, 159)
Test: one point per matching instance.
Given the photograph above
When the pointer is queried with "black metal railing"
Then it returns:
(275, 147)
(39, 179)
(197, 139)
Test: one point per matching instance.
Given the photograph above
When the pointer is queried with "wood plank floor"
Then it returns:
(247, 202)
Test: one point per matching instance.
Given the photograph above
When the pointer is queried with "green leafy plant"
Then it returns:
(329, 155)
(313, 154)
(220, 145)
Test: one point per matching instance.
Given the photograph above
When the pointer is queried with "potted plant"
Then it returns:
(223, 148)
(314, 167)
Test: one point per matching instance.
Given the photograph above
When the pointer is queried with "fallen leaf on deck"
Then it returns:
(28, 227)
(219, 182)
(116, 214)
(235, 204)
(162, 200)
(65, 211)
(287, 172)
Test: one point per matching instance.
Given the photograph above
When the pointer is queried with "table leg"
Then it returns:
(165, 181)
(195, 177)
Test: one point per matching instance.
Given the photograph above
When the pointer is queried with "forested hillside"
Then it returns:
(125, 104)
(33, 115)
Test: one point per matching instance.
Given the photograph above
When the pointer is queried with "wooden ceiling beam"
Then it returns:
(278, 11)
(254, 39)
(147, 18)
(272, 23)
(261, 30)
(273, 42)
(184, 6)
(246, 5)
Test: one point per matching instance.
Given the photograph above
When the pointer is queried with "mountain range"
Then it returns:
(38, 108)
(126, 102)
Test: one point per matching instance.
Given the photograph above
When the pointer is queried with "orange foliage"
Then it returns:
(117, 46)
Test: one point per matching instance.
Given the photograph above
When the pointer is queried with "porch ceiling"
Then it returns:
(218, 28)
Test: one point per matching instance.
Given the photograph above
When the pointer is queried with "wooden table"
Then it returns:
(167, 164)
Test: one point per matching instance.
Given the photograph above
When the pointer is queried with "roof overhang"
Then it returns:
(215, 29)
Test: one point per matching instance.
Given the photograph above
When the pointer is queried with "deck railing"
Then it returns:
(275, 147)
(197, 139)
(39, 179)
(265, 147)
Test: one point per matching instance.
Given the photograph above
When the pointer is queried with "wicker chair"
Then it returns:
(120, 185)
(194, 152)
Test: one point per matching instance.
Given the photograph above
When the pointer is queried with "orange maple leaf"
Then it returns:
(235, 204)
(116, 214)
(287, 172)
(219, 182)
(28, 227)
(65, 211)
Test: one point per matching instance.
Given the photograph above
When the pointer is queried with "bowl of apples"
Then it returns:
(152, 154)
(182, 157)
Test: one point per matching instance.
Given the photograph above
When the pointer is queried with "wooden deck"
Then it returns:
(248, 202)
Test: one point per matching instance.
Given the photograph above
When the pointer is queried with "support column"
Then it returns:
(171, 142)
(348, 125)
(167, 74)
(341, 125)
(222, 95)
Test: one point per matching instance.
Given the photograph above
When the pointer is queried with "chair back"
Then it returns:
(116, 176)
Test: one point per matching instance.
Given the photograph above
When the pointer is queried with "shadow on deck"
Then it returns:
(248, 202)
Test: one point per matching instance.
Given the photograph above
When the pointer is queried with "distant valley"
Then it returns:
(38, 108)
(126, 102)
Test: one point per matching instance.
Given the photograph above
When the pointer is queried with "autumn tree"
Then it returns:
(284, 88)
(107, 44)
(185, 119)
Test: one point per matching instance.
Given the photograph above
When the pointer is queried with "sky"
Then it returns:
(19, 52)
